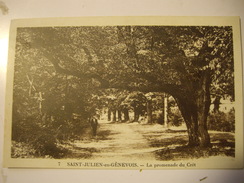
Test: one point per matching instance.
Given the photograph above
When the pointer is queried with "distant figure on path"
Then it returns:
(94, 124)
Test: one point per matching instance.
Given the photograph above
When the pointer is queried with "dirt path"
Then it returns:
(121, 141)
(136, 142)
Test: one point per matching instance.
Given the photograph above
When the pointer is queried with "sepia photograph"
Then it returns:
(142, 96)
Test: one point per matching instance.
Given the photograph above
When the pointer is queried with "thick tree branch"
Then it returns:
(104, 83)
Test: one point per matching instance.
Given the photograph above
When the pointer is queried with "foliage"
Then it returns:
(175, 118)
(22, 150)
(222, 121)
(136, 100)
(174, 115)
(70, 67)
(49, 107)
(39, 139)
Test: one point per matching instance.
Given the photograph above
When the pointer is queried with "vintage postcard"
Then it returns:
(124, 93)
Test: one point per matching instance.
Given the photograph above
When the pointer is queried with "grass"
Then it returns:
(173, 145)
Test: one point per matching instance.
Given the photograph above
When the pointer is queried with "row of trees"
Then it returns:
(72, 68)
(121, 103)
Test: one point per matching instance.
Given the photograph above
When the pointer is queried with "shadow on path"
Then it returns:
(133, 141)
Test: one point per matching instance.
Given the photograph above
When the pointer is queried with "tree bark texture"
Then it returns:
(165, 111)
(216, 104)
(203, 105)
(149, 111)
(126, 115)
(136, 115)
(119, 116)
(114, 115)
(109, 114)
(189, 114)
(194, 106)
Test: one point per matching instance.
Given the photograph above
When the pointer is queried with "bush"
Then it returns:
(22, 150)
(221, 121)
(45, 144)
(175, 118)
(40, 138)
(159, 118)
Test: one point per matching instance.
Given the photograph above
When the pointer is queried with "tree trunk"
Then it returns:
(126, 115)
(119, 116)
(194, 106)
(189, 114)
(109, 114)
(165, 111)
(216, 104)
(149, 111)
(114, 115)
(203, 104)
(136, 115)
(192, 129)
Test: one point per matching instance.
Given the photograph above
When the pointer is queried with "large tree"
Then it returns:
(185, 62)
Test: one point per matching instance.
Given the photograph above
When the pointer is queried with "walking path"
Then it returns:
(122, 142)
(134, 142)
